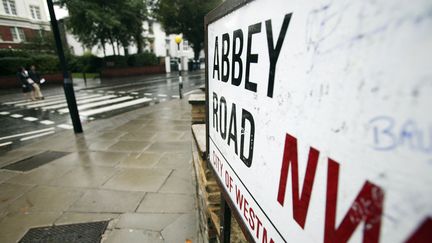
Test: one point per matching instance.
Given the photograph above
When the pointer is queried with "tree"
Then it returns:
(97, 22)
(185, 16)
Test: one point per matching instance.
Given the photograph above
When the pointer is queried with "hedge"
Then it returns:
(143, 59)
(11, 60)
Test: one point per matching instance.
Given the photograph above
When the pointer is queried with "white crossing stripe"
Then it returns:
(114, 107)
(134, 93)
(162, 95)
(25, 101)
(4, 113)
(16, 115)
(36, 136)
(47, 122)
(5, 144)
(122, 92)
(57, 102)
(79, 102)
(29, 118)
(176, 96)
(65, 126)
(50, 99)
(27, 133)
(101, 103)
(148, 94)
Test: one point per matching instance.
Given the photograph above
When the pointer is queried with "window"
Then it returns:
(17, 34)
(9, 7)
(35, 12)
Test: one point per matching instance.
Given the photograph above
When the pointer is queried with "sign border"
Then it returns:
(219, 12)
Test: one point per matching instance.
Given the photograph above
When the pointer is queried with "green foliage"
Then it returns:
(43, 43)
(116, 61)
(45, 63)
(14, 53)
(87, 63)
(97, 22)
(185, 16)
(143, 59)
(10, 65)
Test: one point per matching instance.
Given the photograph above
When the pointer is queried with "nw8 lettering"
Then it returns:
(367, 207)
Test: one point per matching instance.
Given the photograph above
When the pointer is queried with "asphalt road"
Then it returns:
(22, 121)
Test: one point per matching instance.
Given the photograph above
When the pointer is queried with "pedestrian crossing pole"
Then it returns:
(178, 39)
(67, 81)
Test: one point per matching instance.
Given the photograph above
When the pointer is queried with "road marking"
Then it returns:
(27, 133)
(65, 126)
(36, 136)
(122, 92)
(134, 93)
(57, 102)
(162, 95)
(47, 122)
(5, 144)
(114, 107)
(79, 102)
(51, 99)
(192, 91)
(16, 115)
(148, 94)
(4, 113)
(105, 102)
(25, 101)
(29, 118)
(176, 96)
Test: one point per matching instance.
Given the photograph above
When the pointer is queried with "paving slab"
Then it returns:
(182, 229)
(176, 183)
(167, 203)
(146, 221)
(147, 180)
(139, 136)
(107, 201)
(41, 176)
(10, 192)
(169, 146)
(13, 227)
(6, 175)
(85, 177)
(140, 160)
(132, 236)
(45, 199)
(175, 160)
(75, 218)
(129, 146)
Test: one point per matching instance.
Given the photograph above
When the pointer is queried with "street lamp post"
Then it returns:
(67, 81)
(178, 40)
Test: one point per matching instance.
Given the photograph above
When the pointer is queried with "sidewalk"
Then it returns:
(134, 169)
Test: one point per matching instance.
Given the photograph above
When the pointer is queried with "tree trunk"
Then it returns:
(126, 51)
(139, 42)
(197, 49)
(112, 45)
(118, 47)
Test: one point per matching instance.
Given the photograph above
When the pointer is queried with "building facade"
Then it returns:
(21, 21)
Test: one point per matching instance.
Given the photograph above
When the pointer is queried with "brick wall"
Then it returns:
(5, 33)
(7, 36)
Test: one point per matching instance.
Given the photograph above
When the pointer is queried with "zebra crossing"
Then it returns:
(52, 112)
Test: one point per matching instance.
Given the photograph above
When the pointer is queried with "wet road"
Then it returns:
(22, 121)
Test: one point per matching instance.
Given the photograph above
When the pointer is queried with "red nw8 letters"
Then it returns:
(367, 206)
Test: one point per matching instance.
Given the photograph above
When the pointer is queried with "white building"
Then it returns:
(21, 20)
